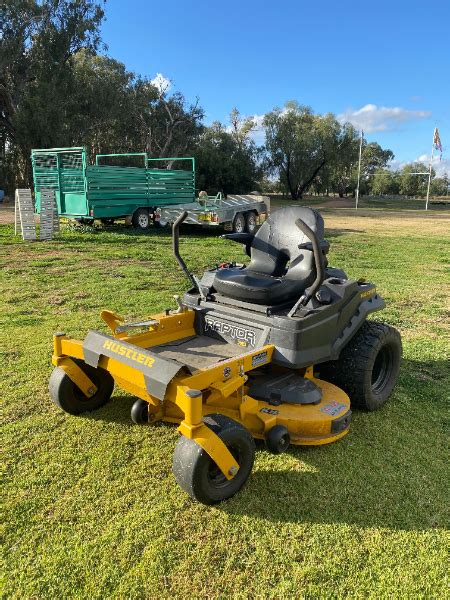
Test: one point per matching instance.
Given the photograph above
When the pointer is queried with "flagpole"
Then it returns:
(429, 173)
(359, 170)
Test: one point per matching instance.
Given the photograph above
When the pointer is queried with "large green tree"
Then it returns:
(227, 157)
(39, 41)
(440, 186)
(299, 144)
(57, 90)
(341, 172)
(414, 185)
(384, 182)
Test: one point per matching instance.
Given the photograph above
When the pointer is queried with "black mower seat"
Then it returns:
(279, 270)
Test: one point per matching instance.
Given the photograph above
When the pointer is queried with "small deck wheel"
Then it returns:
(198, 475)
(278, 439)
(139, 412)
(67, 395)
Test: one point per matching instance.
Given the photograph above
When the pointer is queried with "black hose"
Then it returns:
(176, 251)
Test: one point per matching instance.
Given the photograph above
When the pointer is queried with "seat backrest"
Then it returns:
(276, 244)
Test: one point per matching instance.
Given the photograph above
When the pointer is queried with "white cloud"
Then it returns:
(161, 83)
(373, 118)
(441, 167)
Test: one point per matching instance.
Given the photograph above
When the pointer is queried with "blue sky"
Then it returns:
(382, 65)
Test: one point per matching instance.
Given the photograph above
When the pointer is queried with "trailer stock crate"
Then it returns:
(109, 191)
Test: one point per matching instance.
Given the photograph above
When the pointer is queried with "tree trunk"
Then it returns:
(303, 187)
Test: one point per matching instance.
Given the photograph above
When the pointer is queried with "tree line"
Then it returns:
(58, 88)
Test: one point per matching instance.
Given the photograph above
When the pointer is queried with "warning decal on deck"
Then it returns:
(259, 359)
(333, 408)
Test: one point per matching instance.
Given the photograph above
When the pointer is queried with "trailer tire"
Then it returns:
(141, 219)
(239, 223)
(251, 222)
(67, 396)
(160, 224)
(198, 475)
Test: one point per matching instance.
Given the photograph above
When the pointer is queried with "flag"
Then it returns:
(437, 142)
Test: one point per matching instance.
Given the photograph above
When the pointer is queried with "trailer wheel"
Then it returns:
(141, 219)
(239, 223)
(251, 223)
(198, 475)
(67, 396)
(160, 224)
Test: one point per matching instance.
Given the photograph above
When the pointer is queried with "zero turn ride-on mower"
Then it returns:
(239, 357)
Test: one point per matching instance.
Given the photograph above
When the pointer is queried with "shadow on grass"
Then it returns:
(117, 410)
(83, 233)
(192, 231)
(387, 472)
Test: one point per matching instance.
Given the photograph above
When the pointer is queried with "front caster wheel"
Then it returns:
(67, 395)
(278, 439)
(139, 412)
(198, 475)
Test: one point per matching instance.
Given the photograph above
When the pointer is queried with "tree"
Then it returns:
(384, 182)
(227, 158)
(299, 144)
(103, 104)
(341, 172)
(374, 157)
(168, 126)
(414, 185)
(440, 186)
(39, 41)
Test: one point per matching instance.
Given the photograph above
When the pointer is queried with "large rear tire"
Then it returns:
(368, 366)
(67, 396)
(198, 475)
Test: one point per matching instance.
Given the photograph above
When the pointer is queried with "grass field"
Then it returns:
(91, 507)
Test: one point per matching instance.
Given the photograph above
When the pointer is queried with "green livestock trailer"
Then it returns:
(109, 191)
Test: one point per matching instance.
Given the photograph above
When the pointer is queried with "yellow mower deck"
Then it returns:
(184, 377)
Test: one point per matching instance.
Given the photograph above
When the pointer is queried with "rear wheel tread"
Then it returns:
(357, 360)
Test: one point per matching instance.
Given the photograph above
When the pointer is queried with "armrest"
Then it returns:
(241, 238)
(324, 246)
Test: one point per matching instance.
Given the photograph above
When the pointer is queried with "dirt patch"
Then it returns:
(7, 214)
(416, 223)
(338, 203)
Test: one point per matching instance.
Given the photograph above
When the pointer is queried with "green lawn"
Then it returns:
(91, 507)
